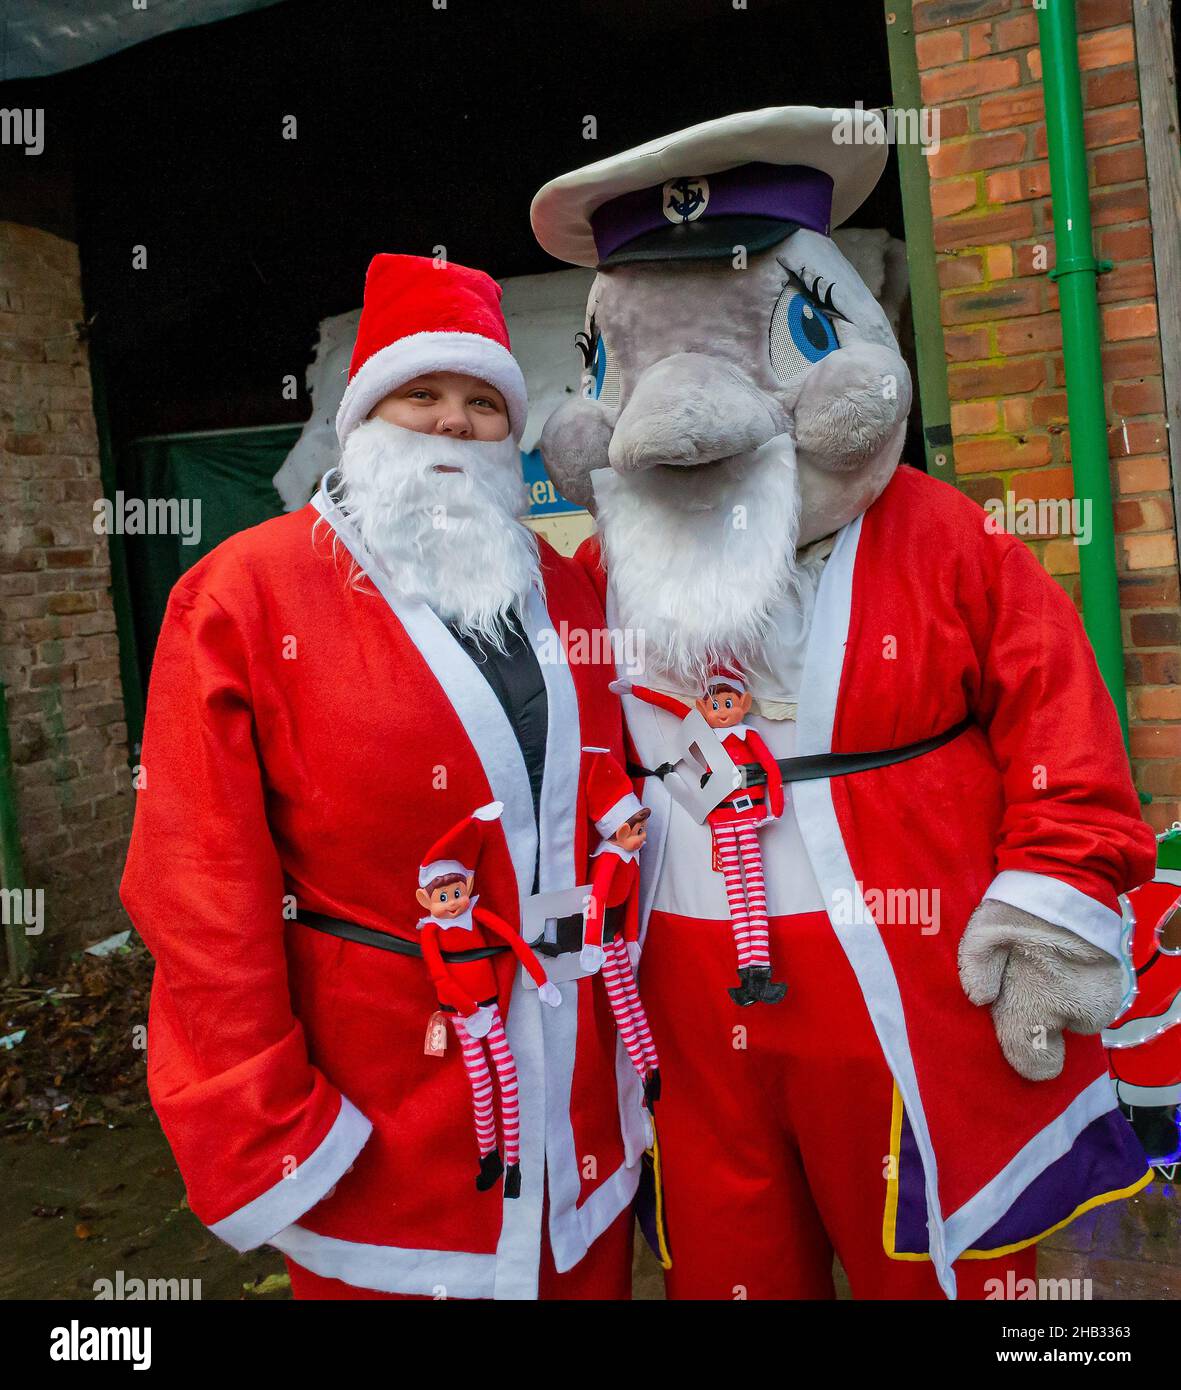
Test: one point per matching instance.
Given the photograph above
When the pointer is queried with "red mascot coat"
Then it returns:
(922, 618)
(307, 740)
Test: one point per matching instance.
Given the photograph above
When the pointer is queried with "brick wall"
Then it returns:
(59, 652)
(980, 67)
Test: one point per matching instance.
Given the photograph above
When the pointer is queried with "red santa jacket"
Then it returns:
(1033, 806)
(286, 1066)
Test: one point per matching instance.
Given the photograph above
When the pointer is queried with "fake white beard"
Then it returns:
(703, 561)
(450, 539)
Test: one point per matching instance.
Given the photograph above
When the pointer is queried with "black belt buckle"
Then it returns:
(568, 933)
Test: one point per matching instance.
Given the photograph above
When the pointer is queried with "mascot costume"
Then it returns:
(942, 888)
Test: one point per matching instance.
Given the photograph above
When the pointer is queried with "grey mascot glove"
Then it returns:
(1039, 979)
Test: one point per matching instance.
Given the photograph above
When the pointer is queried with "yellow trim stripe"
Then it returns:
(666, 1260)
(890, 1215)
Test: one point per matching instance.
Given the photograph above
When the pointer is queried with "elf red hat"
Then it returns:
(609, 796)
(458, 851)
(420, 316)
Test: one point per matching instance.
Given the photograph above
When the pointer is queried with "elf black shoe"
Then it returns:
(743, 994)
(763, 987)
(512, 1180)
(491, 1167)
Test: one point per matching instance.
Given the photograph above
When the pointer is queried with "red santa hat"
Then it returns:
(421, 316)
(609, 797)
(458, 851)
(726, 675)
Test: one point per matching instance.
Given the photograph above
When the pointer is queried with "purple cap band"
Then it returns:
(784, 192)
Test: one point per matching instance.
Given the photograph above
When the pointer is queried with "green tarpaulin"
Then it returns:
(228, 474)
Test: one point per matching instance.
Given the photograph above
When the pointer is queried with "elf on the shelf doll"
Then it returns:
(620, 819)
(734, 823)
(467, 988)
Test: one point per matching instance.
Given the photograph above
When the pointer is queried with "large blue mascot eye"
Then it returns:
(801, 335)
(599, 367)
(600, 379)
(810, 330)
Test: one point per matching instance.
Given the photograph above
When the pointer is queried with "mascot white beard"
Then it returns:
(703, 562)
(451, 539)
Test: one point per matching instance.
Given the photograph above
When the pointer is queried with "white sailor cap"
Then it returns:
(749, 179)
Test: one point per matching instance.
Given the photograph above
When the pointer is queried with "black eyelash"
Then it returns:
(812, 293)
(587, 343)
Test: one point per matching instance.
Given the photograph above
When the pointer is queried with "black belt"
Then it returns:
(568, 929)
(816, 765)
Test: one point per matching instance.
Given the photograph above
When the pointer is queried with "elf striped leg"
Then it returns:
(506, 1075)
(615, 979)
(751, 860)
(639, 1017)
(726, 840)
(480, 1077)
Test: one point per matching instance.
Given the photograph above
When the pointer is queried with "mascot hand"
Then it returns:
(633, 955)
(1039, 978)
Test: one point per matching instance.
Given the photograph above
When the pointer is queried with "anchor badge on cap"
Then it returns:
(684, 200)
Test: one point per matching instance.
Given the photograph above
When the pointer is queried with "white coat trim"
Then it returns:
(392, 366)
(983, 1210)
(255, 1223)
(821, 833)
(390, 1268)
(1066, 906)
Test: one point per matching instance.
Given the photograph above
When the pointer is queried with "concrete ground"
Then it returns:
(78, 1208)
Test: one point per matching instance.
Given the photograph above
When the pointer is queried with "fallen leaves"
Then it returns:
(76, 1065)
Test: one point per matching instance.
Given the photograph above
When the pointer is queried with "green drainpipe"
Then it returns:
(1075, 271)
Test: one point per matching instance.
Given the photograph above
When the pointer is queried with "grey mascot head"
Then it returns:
(744, 393)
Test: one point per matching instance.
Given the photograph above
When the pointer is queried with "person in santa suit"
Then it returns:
(930, 1098)
(455, 924)
(332, 691)
(734, 822)
(621, 820)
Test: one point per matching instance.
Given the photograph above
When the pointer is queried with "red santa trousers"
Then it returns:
(603, 1273)
(775, 1124)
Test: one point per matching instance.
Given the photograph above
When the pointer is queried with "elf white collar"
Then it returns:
(737, 731)
(610, 847)
(463, 922)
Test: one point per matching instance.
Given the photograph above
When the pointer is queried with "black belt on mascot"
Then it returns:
(817, 765)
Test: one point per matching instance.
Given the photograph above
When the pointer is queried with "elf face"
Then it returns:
(722, 708)
(632, 834)
(448, 899)
(449, 403)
